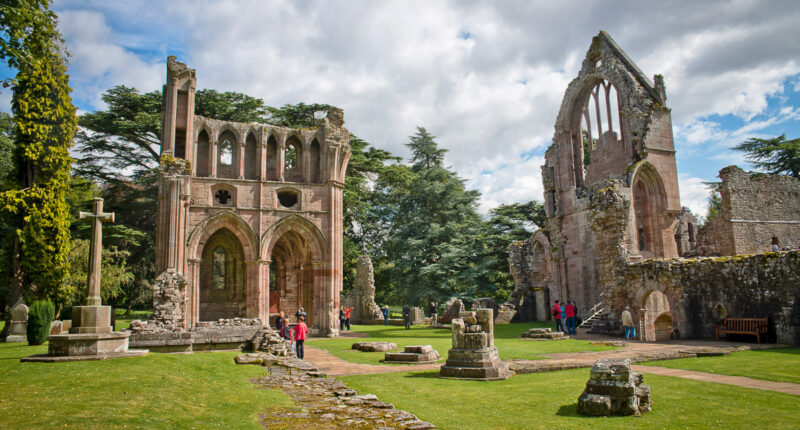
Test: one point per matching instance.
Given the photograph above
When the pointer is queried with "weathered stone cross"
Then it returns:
(96, 249)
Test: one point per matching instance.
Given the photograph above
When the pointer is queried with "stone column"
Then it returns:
(240, 156)
(192, 311)
(212, 148)
(281, 153)
(252, 293)
(306, 162)
(263, 291)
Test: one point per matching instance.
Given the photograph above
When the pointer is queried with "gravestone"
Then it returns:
(417, 316)
(18, 332)
(614, 389)
(453, 309)
(473, 354)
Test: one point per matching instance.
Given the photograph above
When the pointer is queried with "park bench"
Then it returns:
(754, 326)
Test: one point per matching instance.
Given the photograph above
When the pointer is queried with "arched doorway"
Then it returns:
(222, 277)
(656, 317)
(293, 275)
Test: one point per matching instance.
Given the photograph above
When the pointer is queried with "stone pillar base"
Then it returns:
(482, 364)
(91, 319)
(88, 344)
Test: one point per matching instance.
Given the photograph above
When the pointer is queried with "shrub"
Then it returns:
(40, 315)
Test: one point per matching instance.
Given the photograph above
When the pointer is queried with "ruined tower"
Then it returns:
(249, 216)
(613, 130)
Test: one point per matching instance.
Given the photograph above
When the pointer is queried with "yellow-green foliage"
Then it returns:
(45, 125)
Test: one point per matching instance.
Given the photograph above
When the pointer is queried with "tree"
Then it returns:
(775, 156)
(714, 205)
(433, 246)
(45, 124)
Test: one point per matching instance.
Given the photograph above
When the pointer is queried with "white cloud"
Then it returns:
(488, 97)
(694, 193)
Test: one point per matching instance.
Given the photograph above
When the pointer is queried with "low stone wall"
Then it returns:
(213, 336)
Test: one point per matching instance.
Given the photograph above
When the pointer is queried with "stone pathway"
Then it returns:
(741, 381)
(335, 366)
(637, 351)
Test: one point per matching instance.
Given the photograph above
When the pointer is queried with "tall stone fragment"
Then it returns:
(19, 323)
(473, 354)
(362, 297)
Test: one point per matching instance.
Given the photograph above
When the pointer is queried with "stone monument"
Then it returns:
(362, 297)
(453, 309)
(614, 389)
(91, 336)
(473, 354)
(18, 332)
(412, 354)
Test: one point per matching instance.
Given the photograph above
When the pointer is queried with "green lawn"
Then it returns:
(124, 321)
(549, 400)
(156, 391)
(780, 364)
(507, 339)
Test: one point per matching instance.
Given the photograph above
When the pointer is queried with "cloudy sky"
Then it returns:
(486, 78)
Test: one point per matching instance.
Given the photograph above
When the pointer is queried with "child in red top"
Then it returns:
(347, 316)
(300, 332)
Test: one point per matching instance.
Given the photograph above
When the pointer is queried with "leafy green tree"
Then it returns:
(714, 205)
(45, 124)
(775, 155)
(300, 115)
(115, 273)
(433, 248)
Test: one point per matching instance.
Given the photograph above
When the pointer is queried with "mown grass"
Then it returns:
(549, 401)
(507, 339)
(780, 364)
(156, 391)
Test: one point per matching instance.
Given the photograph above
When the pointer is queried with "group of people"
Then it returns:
(298, 333)
(344, 317)
(565, 315)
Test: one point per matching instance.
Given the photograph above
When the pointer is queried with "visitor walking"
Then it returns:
(385, 312)
(407, 316)
(627, 323)
(342, 318)
(300, 332)
(570, 314)
(347, 316)
(563, 317)
(300, 313)
(434, 311)
(556, 311)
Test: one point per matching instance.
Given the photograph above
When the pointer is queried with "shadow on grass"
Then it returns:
(432, 374)
(568, 411)
(791, 351)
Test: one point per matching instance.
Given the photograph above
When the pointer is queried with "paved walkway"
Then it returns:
(741, 381)
(335, 366)
(636, 351)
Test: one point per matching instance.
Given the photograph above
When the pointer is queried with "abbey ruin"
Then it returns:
(249, 220)
(616, 233)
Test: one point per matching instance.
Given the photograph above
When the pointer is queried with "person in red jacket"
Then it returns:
(347, 316)
(300, 332)
(556, 311)
(570, 309)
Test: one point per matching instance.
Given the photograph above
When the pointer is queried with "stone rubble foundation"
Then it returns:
(412, 354)
(614, 389)
(544, 334)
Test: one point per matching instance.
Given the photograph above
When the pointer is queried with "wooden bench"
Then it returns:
(754, 326)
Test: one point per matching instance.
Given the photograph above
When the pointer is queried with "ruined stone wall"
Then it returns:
(761, 285)
(754, 210)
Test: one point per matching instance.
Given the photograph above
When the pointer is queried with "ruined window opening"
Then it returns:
(287, 198)
(222, 197)
(599, 116)
(226, 152)
(251, 164)
(202, 156)
(272, 159)
(218, 273)
(273, 279)
(691, 232)
(290, 160)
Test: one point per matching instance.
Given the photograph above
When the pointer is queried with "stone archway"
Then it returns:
(222, 280)
(293, 271)
(656, 317)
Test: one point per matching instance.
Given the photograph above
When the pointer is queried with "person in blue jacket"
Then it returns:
(385, 312)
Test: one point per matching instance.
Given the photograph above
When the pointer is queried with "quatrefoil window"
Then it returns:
(223, 197)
